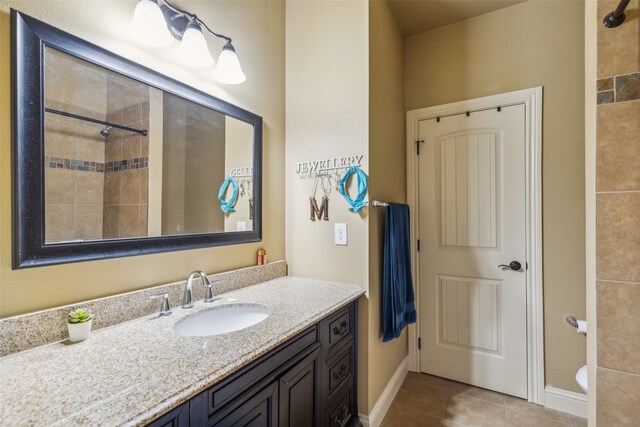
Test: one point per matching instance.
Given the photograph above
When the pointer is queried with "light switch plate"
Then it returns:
(341, 234)
(241, 226)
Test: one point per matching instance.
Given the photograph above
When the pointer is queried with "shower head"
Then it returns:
(106, 131)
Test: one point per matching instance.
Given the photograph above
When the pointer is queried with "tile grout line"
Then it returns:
(483, 400)
(505, 412)
(543, 416)
(624, 282)
(619, 371)
(619, 75)
(618, 192)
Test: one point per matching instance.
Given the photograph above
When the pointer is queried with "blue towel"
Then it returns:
(398, 309)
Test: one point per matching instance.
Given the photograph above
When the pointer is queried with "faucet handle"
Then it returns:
(165, 310)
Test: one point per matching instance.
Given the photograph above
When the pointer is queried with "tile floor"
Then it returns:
(425, 400)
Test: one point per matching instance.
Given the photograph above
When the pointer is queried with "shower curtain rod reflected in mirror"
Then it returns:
(142, 132)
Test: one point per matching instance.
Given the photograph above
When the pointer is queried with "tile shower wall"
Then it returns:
(618, 219)
(126, 178)
(74, 179)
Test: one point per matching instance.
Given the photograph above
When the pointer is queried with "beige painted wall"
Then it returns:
(536, 43)
(327, 116)
(387, 166)
(257, 28)
(345, 97)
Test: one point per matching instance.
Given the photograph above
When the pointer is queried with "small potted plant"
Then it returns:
(79, 323)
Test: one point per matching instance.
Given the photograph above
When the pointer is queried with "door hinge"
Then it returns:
(419, 343)
(420, 141)
(418, 245)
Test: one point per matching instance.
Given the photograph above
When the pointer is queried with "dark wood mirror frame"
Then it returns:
(29, 39)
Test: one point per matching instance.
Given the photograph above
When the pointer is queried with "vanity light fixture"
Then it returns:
(188, 28)
(193, 48)
(148, 26)
(228, 69)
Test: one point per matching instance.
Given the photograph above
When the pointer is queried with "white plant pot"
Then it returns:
(79, 331)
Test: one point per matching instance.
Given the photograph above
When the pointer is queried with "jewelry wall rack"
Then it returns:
(241, 172)
(326, 174)
(310, 169)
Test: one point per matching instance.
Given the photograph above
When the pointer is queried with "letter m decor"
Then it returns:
(323, 212)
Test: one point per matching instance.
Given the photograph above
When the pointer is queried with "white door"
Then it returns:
(472, 201)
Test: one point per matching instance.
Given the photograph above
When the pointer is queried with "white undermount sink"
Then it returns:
(221, 320)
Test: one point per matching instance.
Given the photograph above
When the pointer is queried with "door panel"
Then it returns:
(470, 314)
(299, 390)
(260, 410)
(468, 189)
(471, 219)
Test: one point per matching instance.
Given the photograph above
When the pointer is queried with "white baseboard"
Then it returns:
(566, 401)
(374, 419)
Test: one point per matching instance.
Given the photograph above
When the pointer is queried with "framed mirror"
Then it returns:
(112, 159)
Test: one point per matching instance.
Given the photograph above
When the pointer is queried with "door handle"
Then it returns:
(514, 265)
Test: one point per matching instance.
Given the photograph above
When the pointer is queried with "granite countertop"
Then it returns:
(131, 373)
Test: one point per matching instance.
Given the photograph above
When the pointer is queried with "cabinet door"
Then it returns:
(299, 393)
(260, 410)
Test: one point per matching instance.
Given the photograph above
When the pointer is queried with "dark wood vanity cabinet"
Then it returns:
(308, 381)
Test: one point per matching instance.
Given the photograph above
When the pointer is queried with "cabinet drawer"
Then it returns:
(340, 369)
(220, 394)
(339, 327)
(338, 330)
(341, 412)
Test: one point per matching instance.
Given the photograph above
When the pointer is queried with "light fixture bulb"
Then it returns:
(194, 51)
(148, 25)
(228, 69)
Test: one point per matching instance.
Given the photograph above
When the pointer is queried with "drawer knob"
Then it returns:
(338, 420)
(341, 330)
(341, 374)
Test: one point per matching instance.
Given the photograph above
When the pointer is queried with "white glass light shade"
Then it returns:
(148, 25)
(228, 69)
(194, 51)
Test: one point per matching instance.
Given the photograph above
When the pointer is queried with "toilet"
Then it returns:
(581, 328)
(581, 378)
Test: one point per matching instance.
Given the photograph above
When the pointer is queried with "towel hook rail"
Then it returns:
(378, 204)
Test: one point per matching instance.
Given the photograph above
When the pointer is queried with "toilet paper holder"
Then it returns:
(579, 325)
(572, 321)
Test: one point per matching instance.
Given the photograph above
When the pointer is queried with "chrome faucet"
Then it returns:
(187, 299)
